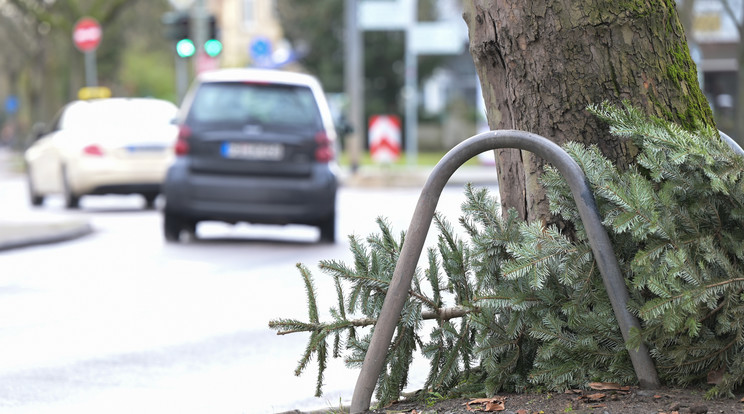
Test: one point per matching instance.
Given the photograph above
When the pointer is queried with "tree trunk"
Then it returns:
(541, 63)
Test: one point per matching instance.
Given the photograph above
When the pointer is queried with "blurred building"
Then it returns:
(714, 45)
(249, 30)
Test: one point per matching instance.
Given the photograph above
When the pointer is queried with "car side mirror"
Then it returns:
(344, 128)
(38, 130)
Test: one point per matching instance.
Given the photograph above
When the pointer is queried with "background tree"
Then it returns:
(541, 64)
(41, 65)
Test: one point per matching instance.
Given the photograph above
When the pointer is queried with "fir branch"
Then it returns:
(312, 307)
(705, 358)
(442, 314)
(655, 307)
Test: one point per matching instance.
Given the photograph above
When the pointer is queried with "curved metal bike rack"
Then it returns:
(415, 237)
(731, 143)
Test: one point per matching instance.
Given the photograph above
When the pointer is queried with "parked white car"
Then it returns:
(103, 146)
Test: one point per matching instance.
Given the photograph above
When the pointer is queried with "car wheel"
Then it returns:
(72, 200)
(174, 225)
(34, 198)
(328, 230)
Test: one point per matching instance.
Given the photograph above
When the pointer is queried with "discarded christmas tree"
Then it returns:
(519, 305)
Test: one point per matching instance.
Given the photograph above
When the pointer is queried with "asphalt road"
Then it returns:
(120, 321)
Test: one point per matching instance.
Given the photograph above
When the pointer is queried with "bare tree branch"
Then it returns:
(730, 13)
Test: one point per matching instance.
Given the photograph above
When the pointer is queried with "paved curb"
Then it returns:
(25, 234)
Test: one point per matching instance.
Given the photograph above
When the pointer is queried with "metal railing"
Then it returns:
(415, 237)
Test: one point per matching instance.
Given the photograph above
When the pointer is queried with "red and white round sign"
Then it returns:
(87, 34)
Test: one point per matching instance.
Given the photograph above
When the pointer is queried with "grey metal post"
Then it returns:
(91, 72)
(182, 77)
(416, 236)
(411, 90)
(199, 23)
(354, 82)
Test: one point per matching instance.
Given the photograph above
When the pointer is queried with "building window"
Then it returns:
(249, 12)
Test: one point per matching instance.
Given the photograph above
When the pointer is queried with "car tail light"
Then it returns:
(182, 143)
(324, 150)
(93, 149)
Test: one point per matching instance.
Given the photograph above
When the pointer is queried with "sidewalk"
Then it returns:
(35, 229)
(14, 235)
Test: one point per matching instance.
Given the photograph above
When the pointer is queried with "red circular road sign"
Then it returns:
(87, 34)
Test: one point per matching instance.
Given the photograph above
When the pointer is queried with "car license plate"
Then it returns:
(253, 151)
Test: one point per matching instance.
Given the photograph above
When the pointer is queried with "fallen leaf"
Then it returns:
(657, 396)
(522, 411)
(595, 397)
(606, 386)
(598, 406)
(488, 404)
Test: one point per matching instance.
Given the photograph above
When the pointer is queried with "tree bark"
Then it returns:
(541, 63)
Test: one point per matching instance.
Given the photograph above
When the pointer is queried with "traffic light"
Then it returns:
(177, 28)
(176, 25)
(213, 45)
(185, 48)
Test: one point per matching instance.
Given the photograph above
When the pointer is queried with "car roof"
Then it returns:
(152, 107)
(122, 100)
(258, 75)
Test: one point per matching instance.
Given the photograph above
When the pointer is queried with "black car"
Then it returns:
(254, 146)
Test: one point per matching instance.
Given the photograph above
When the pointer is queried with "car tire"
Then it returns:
(72, 200)
(174, 225)
(33, 197)
(328, 230)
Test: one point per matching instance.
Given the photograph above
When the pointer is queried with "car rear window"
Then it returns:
(266, 104)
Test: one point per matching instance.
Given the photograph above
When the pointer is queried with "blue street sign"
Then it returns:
(260, 49)
(11, 105)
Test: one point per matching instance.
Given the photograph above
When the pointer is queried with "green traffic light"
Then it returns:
(185, 48)
(213, 47)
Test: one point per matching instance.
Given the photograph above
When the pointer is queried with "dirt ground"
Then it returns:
(619, 401)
